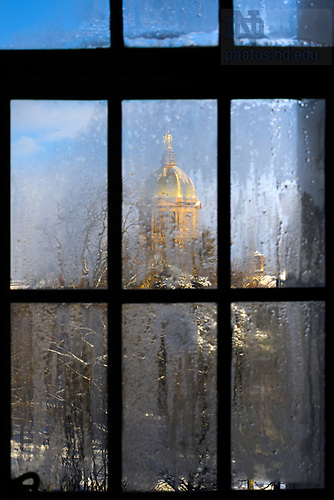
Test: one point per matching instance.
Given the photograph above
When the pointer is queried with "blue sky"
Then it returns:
(58, 159)
(37, 124)
(34, 24)
(57, 139)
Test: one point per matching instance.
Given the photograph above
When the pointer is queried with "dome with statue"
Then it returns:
(168, 219)
(170, 181)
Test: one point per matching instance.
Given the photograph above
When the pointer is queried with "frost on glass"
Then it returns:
(169, 397)
(286, 23)
(59, 395)
(54, 24)
(58, 194)
(277, 410)
(277, 193)
(169, 219)
(171, 23)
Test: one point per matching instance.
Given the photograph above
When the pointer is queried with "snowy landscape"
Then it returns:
(59, 395)
(169, 397)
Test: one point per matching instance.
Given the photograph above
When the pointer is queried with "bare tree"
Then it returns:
(76, 243)
(67, 423)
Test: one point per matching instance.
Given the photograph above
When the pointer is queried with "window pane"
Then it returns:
(59, 394)
(169, 397)
(294, 23)
(277, 193)
(169, 194)
(58, 194)
(54, 24)
(278, 394)
(171, 23)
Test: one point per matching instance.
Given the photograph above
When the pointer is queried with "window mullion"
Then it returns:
(114, 296)
(114, 195)
(116, 25)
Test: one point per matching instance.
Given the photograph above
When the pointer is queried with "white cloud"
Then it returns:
(51, 120)
(24, 146)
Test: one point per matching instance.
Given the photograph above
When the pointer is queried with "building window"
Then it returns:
(169, 397)
(59, 213)
(277, 193)
(59, 395)
(54, 25)
(277, 394)
(135, 382)
(148, 23)
(277, 241)
(176, 199)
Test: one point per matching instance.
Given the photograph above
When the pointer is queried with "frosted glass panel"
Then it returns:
(54, 24)
(58, 194)
(277, 193)
(169, 397)
(59, 395)
(290, 23)
(169, 222)
(171, 23)
(278, 394)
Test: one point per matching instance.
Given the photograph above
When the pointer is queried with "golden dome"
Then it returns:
(169, 181)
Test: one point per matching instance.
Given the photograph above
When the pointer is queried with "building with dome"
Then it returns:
(168, 214)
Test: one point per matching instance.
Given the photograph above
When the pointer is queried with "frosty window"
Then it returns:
(59, 395)
(277, 391)
(58, 194)
(169, 397)
(169, 194)
(292, 22)
(171, 23)
(277, 193)
(54, 24)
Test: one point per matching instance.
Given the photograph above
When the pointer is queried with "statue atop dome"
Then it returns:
(168, 156)
(168, 140)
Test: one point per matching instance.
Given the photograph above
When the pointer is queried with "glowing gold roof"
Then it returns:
(169, 180)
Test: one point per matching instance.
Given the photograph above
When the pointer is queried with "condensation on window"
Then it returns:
(54, 24)
(277, 193)
(288, 23)
(59, 395)
(169, 397)
(169, 220)
(277, 395)
(171, 23)
(58, 194)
